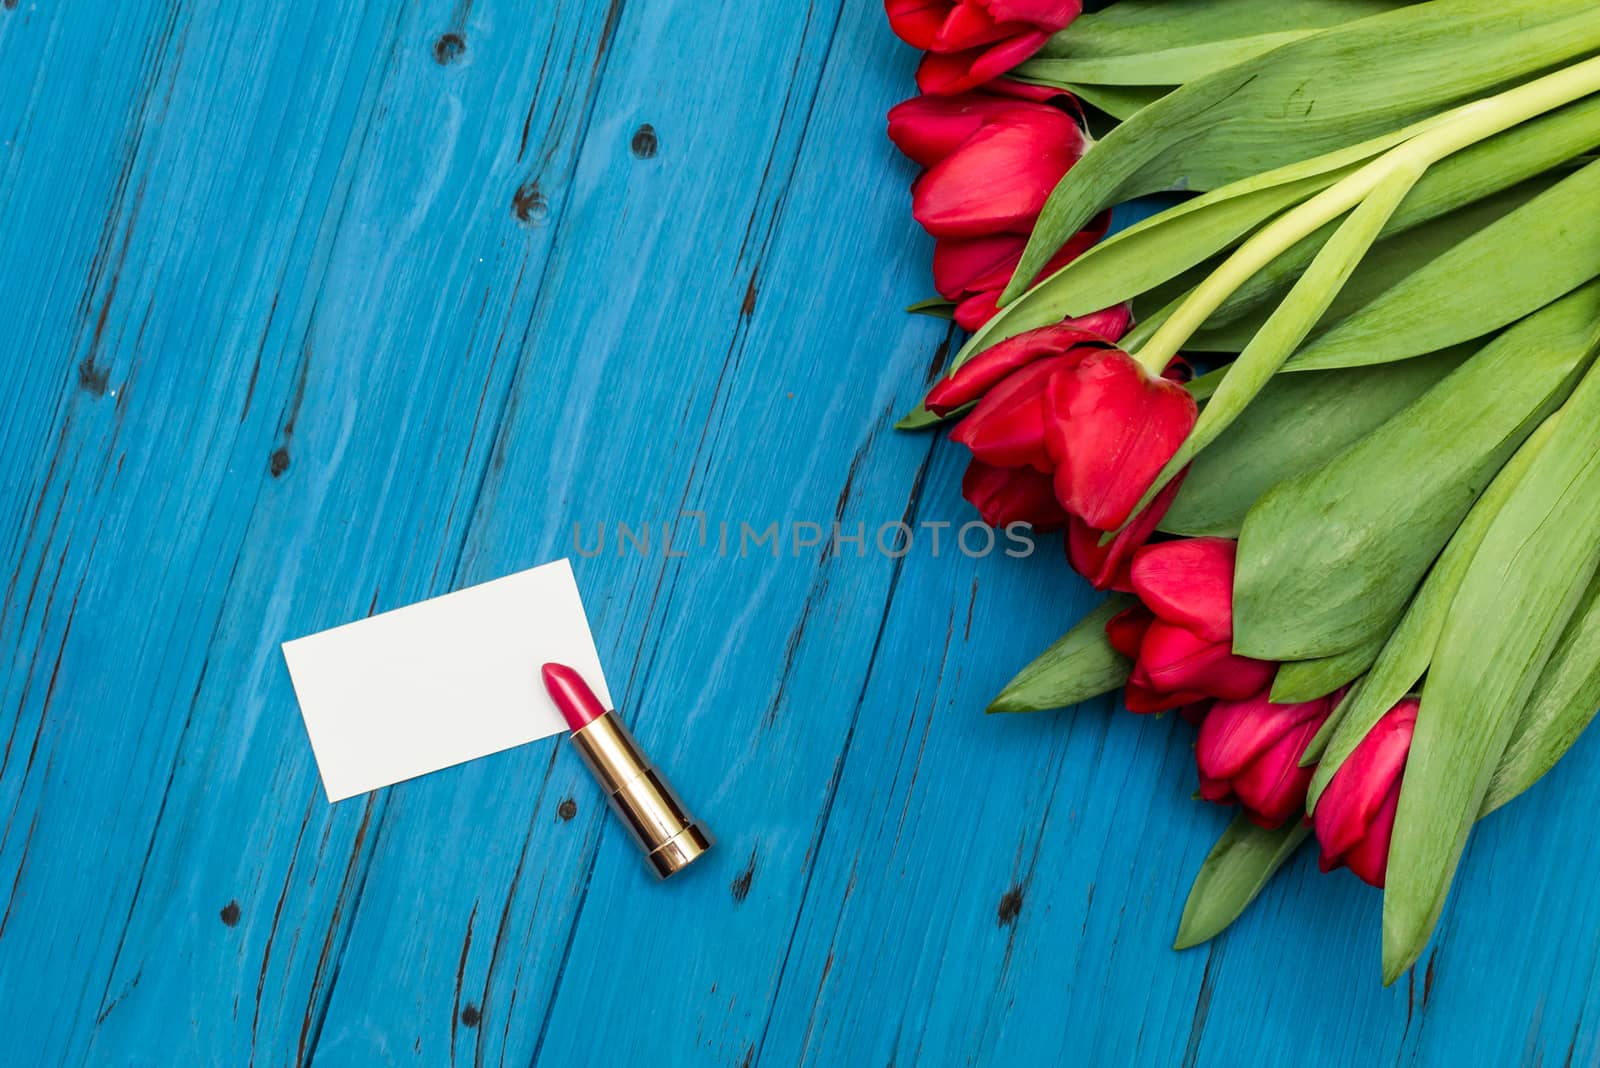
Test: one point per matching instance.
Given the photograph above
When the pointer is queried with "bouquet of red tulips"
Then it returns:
(1327, 427)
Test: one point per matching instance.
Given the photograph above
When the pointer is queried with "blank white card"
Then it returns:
(442, 681)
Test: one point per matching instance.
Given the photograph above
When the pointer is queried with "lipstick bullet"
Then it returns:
(641, 797)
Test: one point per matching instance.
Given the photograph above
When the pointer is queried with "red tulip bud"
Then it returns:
(973, 41)
(1109, 566)
(1110, 428)
(993, 365)
(998, 179)
(1004, 496)
(1354, 819)
(929, 128)
(992, 158)
(1186, 652)
(1249, 751)
(974, 271)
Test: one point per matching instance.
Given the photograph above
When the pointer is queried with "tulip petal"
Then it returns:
(1190, 583)
(1369, 859)
(1052, 15)
(1143, 699)
(1012, 495)
(1125, 630)
(929, 128)
(917, 22)
(1006, 429)
(1237, 732)
(972, 313)
(1002, 57)
(984, 371)
(1273, 788)
(1355, 796)
(1176, 660)
(963, 267)
(1036, 93)
(978, 294)
(1107, 566)
(969, 25)
(1000, 176)
(945, 74)
(1111, 428)
(1143, 696)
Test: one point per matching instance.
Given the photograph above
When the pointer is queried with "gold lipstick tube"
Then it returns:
(670, 837)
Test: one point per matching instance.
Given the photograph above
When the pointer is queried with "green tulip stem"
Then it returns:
(1459, 129)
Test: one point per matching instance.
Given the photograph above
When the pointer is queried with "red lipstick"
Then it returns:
(572, 696)
(641, 797)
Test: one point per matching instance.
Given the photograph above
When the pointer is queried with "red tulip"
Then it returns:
(1109, 566)
(992, 157)
(1354, 817)
(1006, 429)
(972, 41)
(1006, 495)
(1181, 636)
(1110, 429)
(1009, 480)
(1072, 340)
(1249, 751)
(973, 271)
(1013, 432)
(929, 128)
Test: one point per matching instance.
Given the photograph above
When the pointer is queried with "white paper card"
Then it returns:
(442, 681)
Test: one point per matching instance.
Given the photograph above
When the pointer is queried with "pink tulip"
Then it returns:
(1354, 818)
(1249, 751)
(1181, 635)
(973, 41)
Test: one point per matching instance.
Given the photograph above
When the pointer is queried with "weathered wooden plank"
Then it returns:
(671, 387)
(123, 475)
(282, 349)
(336, 256)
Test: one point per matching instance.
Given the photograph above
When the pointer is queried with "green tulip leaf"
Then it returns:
(1563, 703)
(1290, 322)
(1166, 253)
(937, 307)
(1319, 741)
(1395, 258)
(1239, 865)
(1345, 85)
(1162, 66)
(1540, 251)
(1409, 651)
(1121, 102)
(1329, 559)
(1501, 162)
(1079, 666)
(1298, 423)
(1152, 252)
(1135, 27)
(1197, 231)
(1299, 681)
(1522, 588)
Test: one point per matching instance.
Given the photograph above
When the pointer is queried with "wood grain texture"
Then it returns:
(310, 311)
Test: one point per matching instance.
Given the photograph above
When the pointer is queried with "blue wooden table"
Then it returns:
(308, 311)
